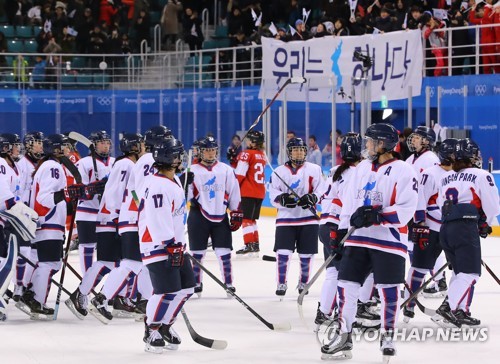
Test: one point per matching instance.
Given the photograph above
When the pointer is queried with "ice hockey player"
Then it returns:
(250, 167)
(214, 189)
(49, 195)
(297, 223)
(469, 204)
(86, 211)
(162, 240)
(427, 223)
(13, 208)
(331, 205)
(380, 201)
(420, 143)
(109, 249)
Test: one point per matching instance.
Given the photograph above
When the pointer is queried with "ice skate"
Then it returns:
(340, 348)
(365, 318)
(123, 308)
(466, 319)
(281, 290)
(170, 336)
(153, 339)
(438, 290)
(198, 289)
(98, 308)
(140, 310)
(444, 317)
(232, 289)
(387, 347)
(34, 309)
(22, 304)
(324, 319)
(77, 303)
(300, 287)
(408, 314)
(18, 293)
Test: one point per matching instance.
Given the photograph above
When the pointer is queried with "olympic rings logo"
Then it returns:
(24, 100)
(480, 90)
(431, 91)
(104, 101)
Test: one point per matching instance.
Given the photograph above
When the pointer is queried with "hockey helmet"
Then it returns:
(130, 143)
(422, 137)
(207, 145)
(446, 151)
(168, 153)
(256, 137)
(385, 133)
(350, 147)
(101, 136)
(8, 141)
(53, 145)
(156, 134)
(467, 150)
(296, 144)
(30, 139)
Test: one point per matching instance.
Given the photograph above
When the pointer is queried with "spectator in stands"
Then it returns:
(59, 21)
(341, 28)
(97, 44)
(107, 12)
(52, 45)
(321, 31)
(402, 146)
(301, 32)
(413, 21)
(126, 47)
(484, 15)
(170, 24)
(294, 13)
(385, 23)
(34, 15)
(327, 150)
(84, 26)
(235, 22)
(437, 40)
(233, 150)
(68, 43)
(38, 72)
(20, 69)
(462, 50)
(128, 7)
(3, 49)
(191, 25)
(313, 151)
(281, 35)
(141, 26)
(16, 11)
(400, 13)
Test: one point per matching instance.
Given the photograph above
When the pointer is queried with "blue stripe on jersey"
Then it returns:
(390, 218)
(87, 210)
(433, 219)
(432, 208)
(367, 241)
(51, 213)
(212, 217)
(52, 227)
(293, 220)
(419, 215)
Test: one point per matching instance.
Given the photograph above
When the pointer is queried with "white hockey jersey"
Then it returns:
(326, 200)
(474, 186)
(49, 179)
(113, 196)
(423, 161)
(214, 189)
(9, 186)
(26, 168)
(161, 217)
(308, 178)
(141, 171)
(87, 209)
(337, 195)
(392, 185)
(428, 210)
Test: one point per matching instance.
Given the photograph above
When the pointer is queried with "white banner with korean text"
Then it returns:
(397, 64)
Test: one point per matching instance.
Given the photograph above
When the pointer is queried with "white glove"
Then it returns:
(23, 220)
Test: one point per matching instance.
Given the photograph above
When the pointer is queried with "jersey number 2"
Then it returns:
(259, 173)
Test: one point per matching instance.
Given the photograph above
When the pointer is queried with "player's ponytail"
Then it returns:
(341, 169)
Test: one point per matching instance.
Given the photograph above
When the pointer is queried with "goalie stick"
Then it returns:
(295, 80)
(300, 299)
(197, 338)
(85, 141)
(276, 327)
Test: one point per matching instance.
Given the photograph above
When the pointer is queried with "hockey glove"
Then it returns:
(336, 237)
(420, 236)
(231, 155)
(365, 216)
(484, 229)
(175, 254)
(72, 192)
(190, 178)
(236, 220)
(287, 200)
(308, 201)
(94, 188)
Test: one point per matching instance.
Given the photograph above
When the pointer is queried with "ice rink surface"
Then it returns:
(69, 340)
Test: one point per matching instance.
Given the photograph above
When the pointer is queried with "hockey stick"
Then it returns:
(65, 262)
(312, 209)
(85, 141)
(300, 299)
(422, 287)
(203, 341)
(71, 168)
(276, 327)
(490, 271)
(296, 80)
(268, 258)
(421, 307)
(52, 280)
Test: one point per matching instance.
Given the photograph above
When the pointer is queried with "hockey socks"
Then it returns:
(283, 262)
(389, 297)
(329, 291)
(86, 253)
(198, 275)
(224, 256)
(414, 280)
